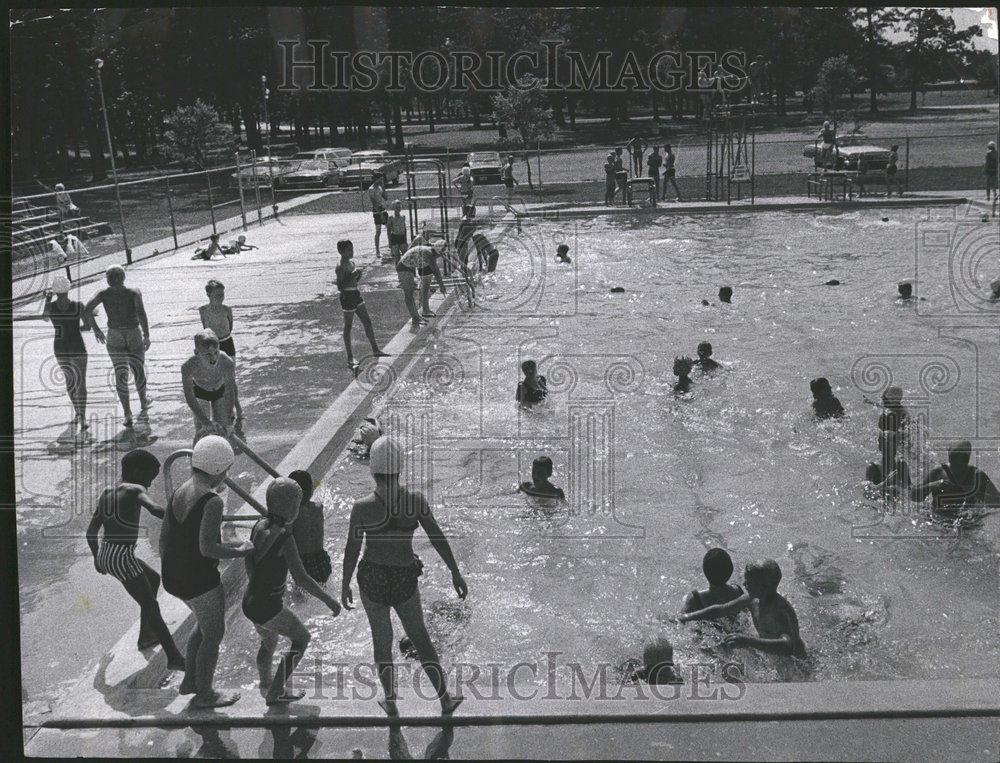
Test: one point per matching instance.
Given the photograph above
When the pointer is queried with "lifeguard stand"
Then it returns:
(730, 156)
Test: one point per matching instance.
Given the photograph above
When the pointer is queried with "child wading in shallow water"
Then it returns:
(308, 530)
(540, 485)
(825, 404)
(682, 370)
(774, 618)
(532, 389)
(657, 667)
(718, 568)
(705, 358)
(275, 554)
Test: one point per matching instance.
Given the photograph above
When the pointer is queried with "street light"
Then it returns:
(114, 172)
(267, 130)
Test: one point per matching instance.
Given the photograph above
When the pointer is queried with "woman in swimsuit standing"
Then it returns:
(209, 380)
(66, 316)
(190, 549)
(388, 574)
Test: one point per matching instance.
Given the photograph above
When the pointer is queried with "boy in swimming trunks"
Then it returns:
(237, 245)
(418, 260)
(670, 172)
(209, 252)
(705, 358)
(397, 231)
(209, 381)
(773, 616)
(118, 511)
(718, 568)
(351, 301)
(682, 370)
(957, 484)
(825, 403)
(892, 476)
(533, 388)
(891, 172)
(378, 199)
(541, 484)
(275, 554)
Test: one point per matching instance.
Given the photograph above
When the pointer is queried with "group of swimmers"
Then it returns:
(616, 176)
(288, 539)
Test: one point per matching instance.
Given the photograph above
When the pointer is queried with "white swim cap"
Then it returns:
(283, 498)
(466, 171)
(60, 187)
(991, 144)
(60, 284)
(212, 455)
(386, 456)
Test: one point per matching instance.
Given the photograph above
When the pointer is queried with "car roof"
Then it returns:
(373, 152)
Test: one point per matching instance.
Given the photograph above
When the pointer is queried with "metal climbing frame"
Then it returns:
(731, 152)
(416, 168)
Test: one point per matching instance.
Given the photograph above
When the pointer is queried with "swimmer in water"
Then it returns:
(892, 476)
(682, 370)
(657, 668)
(995, 290)
(307, 529)
(773, 616)
(540, 485)
(718, 568)
(957, 484)
(905, 290)
(533, 388)
(726, 294)
(895, 417)
(705, 358)
(209, 381)
(825, 404)
(562, 253)
(275, 554)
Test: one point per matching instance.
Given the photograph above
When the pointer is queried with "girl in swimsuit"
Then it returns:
(388, 574)
(190, 549)
(209, 380)
(67, 317)
(276, 554)
(352, 302)
(718, 568)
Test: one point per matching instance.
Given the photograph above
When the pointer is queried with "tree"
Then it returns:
(836, 77)
(524, 109)
(934, 39)
(193, 132)
(875, 21)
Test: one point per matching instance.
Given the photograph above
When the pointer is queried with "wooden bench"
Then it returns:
(828, 183)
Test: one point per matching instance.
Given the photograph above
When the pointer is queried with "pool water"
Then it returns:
(653, 478)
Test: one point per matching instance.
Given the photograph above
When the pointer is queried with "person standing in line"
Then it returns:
(397, 232)
(127, 339)
(190, 549)
(378, 199)
(467, 190)
(670, 172)
(67, 317)
(352, 302)
(388, 574)
(653, 163)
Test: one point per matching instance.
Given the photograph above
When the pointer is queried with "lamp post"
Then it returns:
(99, 64)
(267, 131)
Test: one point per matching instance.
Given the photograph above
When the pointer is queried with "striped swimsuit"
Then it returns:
(116, 555)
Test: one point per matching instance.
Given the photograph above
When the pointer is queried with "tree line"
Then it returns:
(160, 60)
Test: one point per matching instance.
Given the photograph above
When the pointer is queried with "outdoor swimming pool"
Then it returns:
(654, 479)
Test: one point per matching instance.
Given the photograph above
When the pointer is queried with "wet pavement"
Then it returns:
(290, 366)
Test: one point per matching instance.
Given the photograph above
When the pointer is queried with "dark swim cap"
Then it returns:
(717, 566)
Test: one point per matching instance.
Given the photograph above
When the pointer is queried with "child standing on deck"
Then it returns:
(219, 318)
(773, 617)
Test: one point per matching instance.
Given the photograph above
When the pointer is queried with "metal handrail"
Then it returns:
(168, 482)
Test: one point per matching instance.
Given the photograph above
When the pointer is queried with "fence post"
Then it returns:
(170, 206)
(211, 205)
(239, 184)
(256, 185)
(906, 181)
(538, 161)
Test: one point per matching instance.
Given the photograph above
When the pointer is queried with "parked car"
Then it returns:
(486, 167)
(320, 168)
(364, 165)
(811, 150)
(260, 173)
(858, 158)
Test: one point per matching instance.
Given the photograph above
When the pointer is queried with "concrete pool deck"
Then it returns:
(124, 672)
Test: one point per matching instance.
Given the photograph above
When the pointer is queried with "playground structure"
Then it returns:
(730, 154)
(34, 227)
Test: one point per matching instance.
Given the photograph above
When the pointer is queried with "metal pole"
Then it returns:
(906, 180)
(256, 185)
(538, 161)
(270, 157)
(239, 184)
(170, 206)
(753, 167)
(114, 170)
(211, 205)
